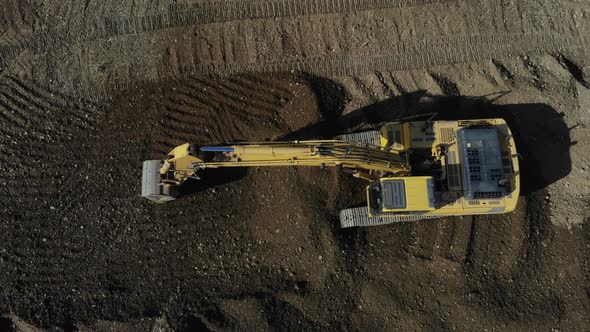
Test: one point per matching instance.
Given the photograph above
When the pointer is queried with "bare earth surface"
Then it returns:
(90, 89)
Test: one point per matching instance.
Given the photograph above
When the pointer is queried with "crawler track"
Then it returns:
(359, 217)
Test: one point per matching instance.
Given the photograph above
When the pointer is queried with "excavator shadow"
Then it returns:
(210, 178)
(542, 137)
(540, 132)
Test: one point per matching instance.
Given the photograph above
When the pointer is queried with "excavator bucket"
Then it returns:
(151, 184)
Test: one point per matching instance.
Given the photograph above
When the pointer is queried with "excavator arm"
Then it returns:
(418, 169)
(162, 178)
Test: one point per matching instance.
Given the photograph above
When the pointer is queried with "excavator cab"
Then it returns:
(401, 194)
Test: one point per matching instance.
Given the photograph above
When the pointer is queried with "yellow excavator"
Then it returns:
(418, 169)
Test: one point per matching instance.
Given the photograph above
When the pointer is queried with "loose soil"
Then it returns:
(83, 101)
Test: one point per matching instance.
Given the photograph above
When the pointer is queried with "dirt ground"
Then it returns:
(88, 90)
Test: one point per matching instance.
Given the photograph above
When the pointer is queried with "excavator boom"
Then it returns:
(418, 170)
(184, 161)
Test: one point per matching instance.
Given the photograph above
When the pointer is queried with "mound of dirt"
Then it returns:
(248, 249)
(88, 232)
(90, 89)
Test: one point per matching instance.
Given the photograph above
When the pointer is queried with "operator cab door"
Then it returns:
(401, 194)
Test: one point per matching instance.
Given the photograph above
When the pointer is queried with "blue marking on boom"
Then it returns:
(217, 149)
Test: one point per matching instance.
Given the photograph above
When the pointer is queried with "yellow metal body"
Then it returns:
(400, 188)
(365, 162)
(432, 136)
(416, 193)
(183, 163)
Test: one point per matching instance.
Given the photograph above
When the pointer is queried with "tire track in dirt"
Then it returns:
(574, 69)
(39, 181)
(244, 46)
(42, 124)
(411, 55)
(28, 106)
(182, 15)
(205, 110)
(406, 55)
(434, 239)
(16, 15)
